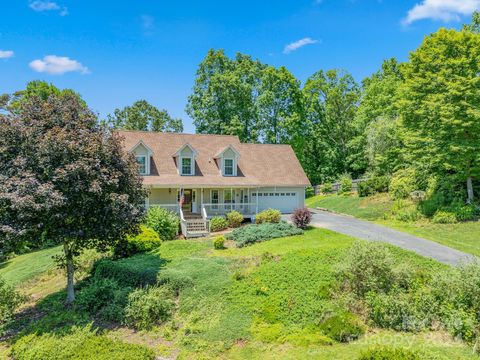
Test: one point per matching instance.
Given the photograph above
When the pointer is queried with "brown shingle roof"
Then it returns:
(259, 164)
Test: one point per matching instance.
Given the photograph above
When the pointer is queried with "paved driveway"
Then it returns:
(369, 231)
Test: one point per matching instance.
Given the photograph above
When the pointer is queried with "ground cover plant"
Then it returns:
(273, 299)
(254, 233)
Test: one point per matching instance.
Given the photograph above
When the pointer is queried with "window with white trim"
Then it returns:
(214, 198)
(142, 164)
(229, 196)
(186, 166)
(228, 167)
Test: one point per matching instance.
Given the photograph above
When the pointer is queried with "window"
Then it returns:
(142, 164)
(228, 167)
(186, 166)
(214, 196)
(229, 196)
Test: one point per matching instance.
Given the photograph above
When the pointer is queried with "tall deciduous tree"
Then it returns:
(224, 96)
(331, 99)
(280, 106)
(63, 177)
(440, 101)
(144, 116)
(377, 146)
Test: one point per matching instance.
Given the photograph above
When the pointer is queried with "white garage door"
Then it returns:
(286, 202)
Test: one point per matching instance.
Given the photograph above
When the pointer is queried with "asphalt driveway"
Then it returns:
(369, 231)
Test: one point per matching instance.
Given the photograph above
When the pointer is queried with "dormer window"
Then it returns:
(228, 167)
(142, 164)
(187, 166)
(185, 159)
(142, 155)
(227, 160)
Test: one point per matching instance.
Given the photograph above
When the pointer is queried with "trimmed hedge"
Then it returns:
(261, 232)
(235, 219)
(77, 344)
(268, 216)
(219, 243)
(218, 223)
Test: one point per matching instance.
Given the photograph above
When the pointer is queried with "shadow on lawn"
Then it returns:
(51, 315)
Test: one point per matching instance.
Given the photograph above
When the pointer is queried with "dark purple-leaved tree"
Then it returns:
(64, 178)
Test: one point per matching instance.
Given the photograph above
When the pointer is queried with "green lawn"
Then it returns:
(461, 236)
(258, 302)
(28, 266)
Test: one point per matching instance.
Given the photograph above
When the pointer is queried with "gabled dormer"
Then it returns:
(228, 161)
(143, 155)
(185, 157)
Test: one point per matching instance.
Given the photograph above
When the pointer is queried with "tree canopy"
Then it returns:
(64, 178)
(141, 115)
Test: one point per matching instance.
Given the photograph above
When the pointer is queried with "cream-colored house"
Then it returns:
(213, 174)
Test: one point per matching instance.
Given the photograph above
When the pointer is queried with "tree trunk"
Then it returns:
(70, 271)
(469, 190)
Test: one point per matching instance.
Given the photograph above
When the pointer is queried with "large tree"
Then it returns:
(280, 107)
(65, 178)
(331, 100)
(377, 146)
(440, 101)
(142, 115)
(224, 96)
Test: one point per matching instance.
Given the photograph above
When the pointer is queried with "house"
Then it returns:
(201, 176)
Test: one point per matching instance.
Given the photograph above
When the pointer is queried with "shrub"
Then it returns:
(309, 192)
(146, 240)
(402, 183)
(408, 214)
(268, 216)
(219, 243)
(76, 344)
(343, 327)
(235, 219)
(367, 267)
(444, 217)
(218, 223)
(402, 311)
(433, 203)
(10, 300)
(164, 222)
(301, 218)
(327, 188)
(134, 271)
(260, 232)
(103, 297)
(390, 353)
(376, 184)
(466, 212)
(148, 307)
(346, 183)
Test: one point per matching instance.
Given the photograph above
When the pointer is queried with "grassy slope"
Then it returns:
(25, 267)
(461, 236)
(244, 300)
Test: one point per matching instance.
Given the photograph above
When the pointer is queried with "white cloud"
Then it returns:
(40, 6)
(445, 10)
(57, 65)
(5, 54)
(298, 44)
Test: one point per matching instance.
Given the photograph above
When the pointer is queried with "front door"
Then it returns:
(187, 200)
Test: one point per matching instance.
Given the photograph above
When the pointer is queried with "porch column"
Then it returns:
(248, 199)
(232, 201)
(256, 205)
(201, 200)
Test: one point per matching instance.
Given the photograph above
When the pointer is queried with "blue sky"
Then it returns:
(116, 52)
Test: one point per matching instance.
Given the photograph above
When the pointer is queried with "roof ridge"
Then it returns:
(173, 133)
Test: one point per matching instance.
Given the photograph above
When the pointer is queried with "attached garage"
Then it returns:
(285, 200)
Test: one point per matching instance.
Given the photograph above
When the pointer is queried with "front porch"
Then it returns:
(199, 205)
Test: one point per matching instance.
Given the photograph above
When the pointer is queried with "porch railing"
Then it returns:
(224, 208)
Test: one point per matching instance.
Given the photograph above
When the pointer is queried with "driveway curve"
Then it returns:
(366, 230)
